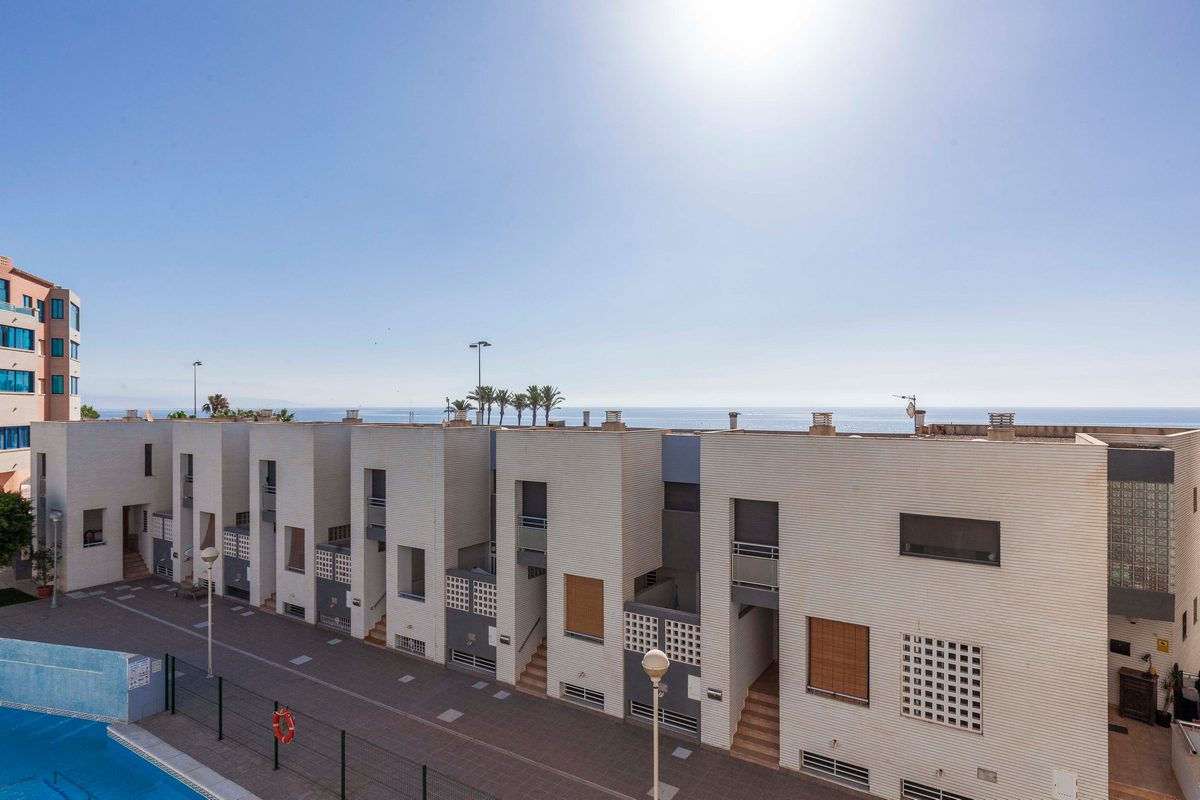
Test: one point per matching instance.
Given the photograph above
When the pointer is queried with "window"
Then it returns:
(583, 611)
(56, 309)
(16, 338)
(950, 538)
(15, 437)
(56, 348)
(839, 660)
(74, 317)
(911, 790)
(15, 380)
(681, 496)
(294, 541)
(93, 527)
(56, 384)
(75, 350)
(533, 499)
(842, 771)
(74, 386)
(756, 521)
(410, 572)
(27, 301)
(578, 694)
(941, 681)
(148, 459)
(1141, 551)
(41, 310)
(3, 290)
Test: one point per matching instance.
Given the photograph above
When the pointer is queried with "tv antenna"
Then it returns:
(911, 409)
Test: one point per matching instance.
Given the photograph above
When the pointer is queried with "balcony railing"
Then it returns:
(18, 309)
(531, 534)
(756, 565)
(187, 478)
(268, 488)
(377, 502)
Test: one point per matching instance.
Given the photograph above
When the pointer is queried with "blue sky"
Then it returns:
(641, 202)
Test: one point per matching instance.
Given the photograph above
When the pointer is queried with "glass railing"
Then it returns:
(756, 565)
(18, 309)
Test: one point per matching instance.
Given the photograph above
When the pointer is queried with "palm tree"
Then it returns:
(462, 405)
(285, 416)
(535, 400)
(503, 398)
(87, 412)
(484, 397)
(178, 415)
(520, 402)
(216, 406)
(550, 399)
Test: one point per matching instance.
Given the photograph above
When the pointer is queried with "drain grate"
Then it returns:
(1117, 728)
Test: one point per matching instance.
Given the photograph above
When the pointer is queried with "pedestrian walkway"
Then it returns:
(467, 726)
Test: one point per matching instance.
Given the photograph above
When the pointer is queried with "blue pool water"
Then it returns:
(47, 757)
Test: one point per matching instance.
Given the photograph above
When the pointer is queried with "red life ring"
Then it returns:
(285, 725)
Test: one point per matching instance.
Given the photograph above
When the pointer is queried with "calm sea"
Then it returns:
(864, 420)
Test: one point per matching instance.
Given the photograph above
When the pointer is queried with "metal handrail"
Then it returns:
(187, 478)
(829, 693)
(755, 550)
(58, 775)
(377, 602)
(269, 488)
(1183, 728)
(531, 630)
(377, 502)
(533, 522)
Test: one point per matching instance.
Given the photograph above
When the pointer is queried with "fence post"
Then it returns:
(275, 739)
(174, 680)
(343, 765)
(220, 708)
(167, 685)
(424, 782)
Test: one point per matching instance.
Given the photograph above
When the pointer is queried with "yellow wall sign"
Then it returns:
(1164, 645)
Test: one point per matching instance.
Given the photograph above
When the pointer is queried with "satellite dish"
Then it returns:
(911, 410)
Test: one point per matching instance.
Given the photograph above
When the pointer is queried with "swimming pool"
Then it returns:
(48, 757)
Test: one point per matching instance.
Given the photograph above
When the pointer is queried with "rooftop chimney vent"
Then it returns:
(587, 419)
(1001, 419)
(266, 414)
(1000, 427)
(612, 421)
(351, 415)
(822, 424)
(733, 420)
(131, 413)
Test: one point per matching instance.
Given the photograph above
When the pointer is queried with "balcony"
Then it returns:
(681, 540)
(185, 491)
(531, 541)
(267, 502)
(756, 574)
(377, 519)
(17, 309)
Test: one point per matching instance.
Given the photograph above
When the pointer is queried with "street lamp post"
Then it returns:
(478, 348)
(195, 396)
(655, 663)
(209, 555)
(55, 518)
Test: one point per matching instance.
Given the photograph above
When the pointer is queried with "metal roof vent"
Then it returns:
(733, 420)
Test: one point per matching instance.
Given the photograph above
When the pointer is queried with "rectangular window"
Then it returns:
(756, 521)
(148, 459)
(533, 499)
(681, 496)
(410, 572)
(15, 437)
(74, 386)
(583, 607)
(27, 301)
(56, 348)
(74, 317)
(16, 380)
(16, 338)
(294, 541)
(839, 660)
(3, 290)
(41, 310)
(93, 527)
(56, 384)
(950, 538)
(56, 309)
(75, 351)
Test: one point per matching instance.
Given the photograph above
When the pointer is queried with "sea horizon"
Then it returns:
(864, 419)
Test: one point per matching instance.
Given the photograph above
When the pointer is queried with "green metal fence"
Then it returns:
(330, 757)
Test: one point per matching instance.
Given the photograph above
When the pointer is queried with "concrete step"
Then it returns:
(767, 696)
(1123, 791)
(757, 709)
(766, 726)
(749, 751)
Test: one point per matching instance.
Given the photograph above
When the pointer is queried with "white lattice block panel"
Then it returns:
(641, 632)
(458, 593)
(942, 682)
(682, 642)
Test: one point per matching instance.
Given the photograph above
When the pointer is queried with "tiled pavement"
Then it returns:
(513, 747)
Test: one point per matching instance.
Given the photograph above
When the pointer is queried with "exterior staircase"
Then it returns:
(757, 736)
(378, 633)
(134, 568)
(268, 605)
(533, 679)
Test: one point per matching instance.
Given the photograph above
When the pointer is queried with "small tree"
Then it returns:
(87, 412)
(521, 404)
(285, 416)
(16, 526)
(217, 405)
(179, 415)
(43, 566)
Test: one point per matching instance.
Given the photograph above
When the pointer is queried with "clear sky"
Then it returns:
(641, 202)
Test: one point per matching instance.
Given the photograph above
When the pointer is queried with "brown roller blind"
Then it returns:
(839, 659)
(210, 533)
(583, 600)
(296, 549)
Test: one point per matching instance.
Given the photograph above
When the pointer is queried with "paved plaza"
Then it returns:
(466, 726)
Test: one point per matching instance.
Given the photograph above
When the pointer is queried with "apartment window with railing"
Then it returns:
(56, 309)
(16, 380)
(410, 572)
(839, 660)
(93, 527)
(755, 547)
(74, 317)
(15, 437)
(378, 488)
(56, 348)
(583, 607)
(16, 338)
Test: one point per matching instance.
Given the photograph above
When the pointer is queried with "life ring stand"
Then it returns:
(284, 725)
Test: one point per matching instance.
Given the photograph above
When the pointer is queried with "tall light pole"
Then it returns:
(656, 664)
(478, 348)
(195, 396)
(55, 518)
(209, 555)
